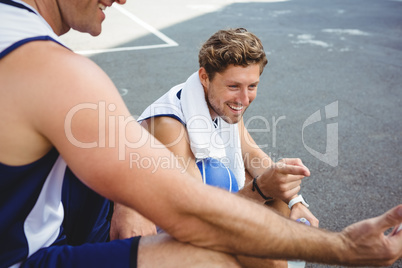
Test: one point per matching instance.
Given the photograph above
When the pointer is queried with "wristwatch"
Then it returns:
(298, 199)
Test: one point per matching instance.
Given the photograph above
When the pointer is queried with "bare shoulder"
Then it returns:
(46, 59)
(168, 130)
(173, 134)
(41, 82)
(53, 77)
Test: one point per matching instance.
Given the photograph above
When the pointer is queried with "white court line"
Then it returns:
(169, 42)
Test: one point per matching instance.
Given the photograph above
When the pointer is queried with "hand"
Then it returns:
(282, 180)
(300, 211)
(367, 243)
(127, 223)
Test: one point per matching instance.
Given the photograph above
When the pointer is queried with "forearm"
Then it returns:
(200, 214)
(203, 215)
(256, 162)
(193, 212)
(247, 192)
(210, 217)
(260, 233)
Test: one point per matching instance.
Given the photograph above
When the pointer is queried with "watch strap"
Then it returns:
(297, 199)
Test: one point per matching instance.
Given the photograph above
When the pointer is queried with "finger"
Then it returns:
(290, 193)
(293, 162)
(290, 186)
(292, 169)
(390, 218)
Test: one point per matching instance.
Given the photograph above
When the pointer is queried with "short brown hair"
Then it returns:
(231, 47)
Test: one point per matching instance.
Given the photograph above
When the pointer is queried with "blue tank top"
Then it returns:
(41, 203)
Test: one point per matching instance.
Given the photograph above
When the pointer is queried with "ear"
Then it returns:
(202, 73)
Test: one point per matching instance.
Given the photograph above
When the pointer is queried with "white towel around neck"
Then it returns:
(206, 140)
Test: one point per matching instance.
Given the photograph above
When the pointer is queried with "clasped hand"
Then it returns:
(282, 180)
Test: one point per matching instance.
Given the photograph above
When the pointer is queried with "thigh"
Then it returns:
(163, 251)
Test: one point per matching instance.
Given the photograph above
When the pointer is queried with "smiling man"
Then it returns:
(203, 119)
(229, 93)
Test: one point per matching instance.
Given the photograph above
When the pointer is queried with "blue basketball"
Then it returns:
(215, 173)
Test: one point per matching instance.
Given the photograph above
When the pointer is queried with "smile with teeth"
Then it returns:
(236, 108)
(101, 6)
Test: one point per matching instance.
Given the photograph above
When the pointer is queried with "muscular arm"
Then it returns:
(251, 151)
(278, 184)
(127, 222)
(174, 136)
(188, 210)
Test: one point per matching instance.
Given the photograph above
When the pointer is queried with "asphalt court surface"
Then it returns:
(330, 94)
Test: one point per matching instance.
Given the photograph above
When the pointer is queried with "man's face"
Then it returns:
(230, 93)
(85, 15)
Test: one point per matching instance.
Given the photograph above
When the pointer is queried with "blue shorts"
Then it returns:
(84, 236)
(116, 253)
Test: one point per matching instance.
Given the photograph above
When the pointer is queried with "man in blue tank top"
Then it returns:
(57, 174)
